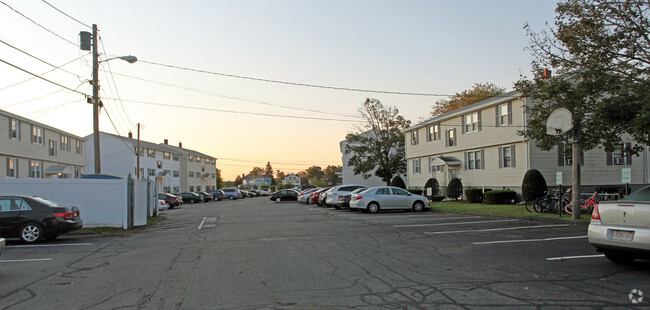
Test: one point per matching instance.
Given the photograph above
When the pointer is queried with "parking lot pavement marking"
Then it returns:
(457, 223)
(421, 217)
(25, 260)
(202, 223)
(530, 240)
(446, 218)
(492, 229)
(48, 245)
(575, 257)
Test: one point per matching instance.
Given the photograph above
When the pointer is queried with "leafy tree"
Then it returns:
(397, 181)
(455, 188)
(378, 146)
(533, 185)
(256, 172)
(314, 172)
(268, 170)
(318, 182)
(331, 177)
(279, 177)
(238, 180)
(478, 92)
(220, 183)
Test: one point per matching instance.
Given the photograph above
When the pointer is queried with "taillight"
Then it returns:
(65, 214)
(595, 215)
(358, 197)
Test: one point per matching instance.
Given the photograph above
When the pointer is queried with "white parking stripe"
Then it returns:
(574, 257)
(457, 223)
(448, 218)
(530, 240)
(25, 260)
(202, 222)
(420, 217)
(492, 229)
(48, 245)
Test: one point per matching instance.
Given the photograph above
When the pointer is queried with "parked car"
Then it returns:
(387, 198)
(218, 195)
(322, 197)
(190, 197)
(162, 205)
(265, 192)
(344, 200)
(285, 195)
(206, 196)
(333, 194)
(303, 187)
(620, 228)
(33, 219)
(313, 198)
(304, 195)
(171, 200)
(255, 192)
(232, 193)
(2, 244)
(244, 193)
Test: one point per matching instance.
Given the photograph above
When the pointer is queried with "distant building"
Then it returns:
(33, 150)
(292, 179)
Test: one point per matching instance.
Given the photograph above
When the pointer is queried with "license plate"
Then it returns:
(623, 235)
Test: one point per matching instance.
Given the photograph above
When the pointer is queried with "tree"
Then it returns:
(378, 146)
(220, 183)
(331, 177)
(238, 180)
(256, 172)
(397, 181)
(600, 50)
(455, 188)
(314, 172)
(268, 170)
(533, 186)
(478, 92)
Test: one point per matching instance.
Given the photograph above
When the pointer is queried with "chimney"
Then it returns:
(180, 144)
(166, 141)
(546, 74)
(130, 135)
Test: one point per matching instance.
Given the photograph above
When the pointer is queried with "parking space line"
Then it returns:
(492, 229)
(575, 257)
(530, 240)
(428, 217)
(48, 245)
(25, 260)
(457, 223)
(202, 222)
(447, 218)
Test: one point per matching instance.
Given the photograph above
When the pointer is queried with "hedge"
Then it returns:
(500, 197)
(415, 191)
(475, 194)
(437, 198)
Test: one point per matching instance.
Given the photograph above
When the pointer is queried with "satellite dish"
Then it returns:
(559, 122)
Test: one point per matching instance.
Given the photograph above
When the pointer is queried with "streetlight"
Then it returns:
(85, 44)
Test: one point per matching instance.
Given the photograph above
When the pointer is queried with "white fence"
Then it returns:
(101, 202)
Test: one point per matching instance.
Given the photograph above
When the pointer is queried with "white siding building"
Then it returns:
(292, 179)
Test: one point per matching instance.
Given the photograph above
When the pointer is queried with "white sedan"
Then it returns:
(387, 198)
(621, 229)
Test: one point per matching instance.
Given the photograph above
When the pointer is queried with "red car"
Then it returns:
(313, 198)
(170, 199)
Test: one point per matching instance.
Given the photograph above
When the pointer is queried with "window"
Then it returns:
(52, 145)
(207, 160)
(177, 189)
(198, 159)
(151, 153)
(37, 135)
(65, 143)
(565, 155)
(416, 166)
(12, 168)
(176, 173)
(198, 174)
(400, 192)
(433, 132)
(383, 191)
(431, 164)
(191, 174)
(166, 155)
(167, 189)
(141, 174)
(35, 169)
(474, 160)
(151, 172)
(504, 114)
(79, 146)
(159, 164)
(14, 129)
(191, 188)
(450, 136)
(139, 151)
(198, 188)
(507, 156)
(190, 157)
(77, 173)
(437, 168)
(214, 176)
(414, 137)
(175, 157)
(471, 122)
(13, 205)
(621, 155)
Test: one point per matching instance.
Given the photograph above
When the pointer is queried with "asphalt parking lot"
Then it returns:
(258, 254)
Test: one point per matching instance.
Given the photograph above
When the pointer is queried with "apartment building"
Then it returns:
(29, 149)
(482, 145)
(198, 170)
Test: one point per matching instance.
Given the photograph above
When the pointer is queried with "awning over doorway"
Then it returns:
(446, 161)
(56, 169)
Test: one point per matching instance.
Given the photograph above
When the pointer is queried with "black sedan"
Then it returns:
(190, 197)
(33, 219)
(285, 195)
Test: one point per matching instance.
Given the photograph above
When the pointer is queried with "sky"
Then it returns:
(221, 76)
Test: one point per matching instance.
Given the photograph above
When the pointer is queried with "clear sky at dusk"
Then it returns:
(431, 47)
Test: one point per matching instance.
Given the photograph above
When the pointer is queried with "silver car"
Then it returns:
(336, 191)
(621, 229)
(387, 198)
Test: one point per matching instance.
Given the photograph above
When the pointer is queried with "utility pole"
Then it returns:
(137, 153)
(98, 167)
(577, 158)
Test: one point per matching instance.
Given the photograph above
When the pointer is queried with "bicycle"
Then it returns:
(544, 204)
(586, 206)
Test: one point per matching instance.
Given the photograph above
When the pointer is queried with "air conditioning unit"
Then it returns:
(619, 161)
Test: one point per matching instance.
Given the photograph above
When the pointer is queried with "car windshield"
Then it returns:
(640, 195)
(364, 190)
(358, 190)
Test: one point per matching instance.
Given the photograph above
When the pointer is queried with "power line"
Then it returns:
(43, 61)
(44, 79)
(37, 24)
(115, 84)
(295, 83)
(65, 14)
(46, 72)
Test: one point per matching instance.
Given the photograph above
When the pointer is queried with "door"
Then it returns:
(401, 199)
(13, 212)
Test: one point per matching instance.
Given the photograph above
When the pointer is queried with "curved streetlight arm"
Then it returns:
(130, 59)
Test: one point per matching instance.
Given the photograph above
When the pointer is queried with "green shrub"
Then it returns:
(533, 185)
(500, 197)
(475, 194)
(415, 191)
(433, 184)
(398, 182)
(455, 189)
(264, 186)
(437, 198)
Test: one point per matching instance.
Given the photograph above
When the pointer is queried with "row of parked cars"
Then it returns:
(169, 201)
(355, 197)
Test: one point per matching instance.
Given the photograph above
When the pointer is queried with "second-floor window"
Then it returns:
(52, 147)
(190, 157)
(175, 157)
(414, 137)
(474, 160)
(191, 174)
(472, 122)
(176, 173)
(151, 153)
(14, 129)
(450, 137)
(621, 156)
(433, 132)
(12, 168)
(507, 156)
(504, 114)
(37, 135)
(165, 155)
(65, 143)
(79, 146)
(151, 172)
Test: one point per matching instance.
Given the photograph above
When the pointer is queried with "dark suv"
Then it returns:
(170, 199)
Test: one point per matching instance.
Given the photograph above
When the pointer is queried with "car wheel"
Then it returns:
(31, 233)
(231, 197)
(168, 205)
(278, 199)
(619, 258)
(373, 207)
(418, 206)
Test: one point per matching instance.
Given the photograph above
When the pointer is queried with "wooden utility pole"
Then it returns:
(137, 154)
(98, 167)
(577, 158)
